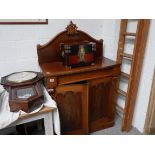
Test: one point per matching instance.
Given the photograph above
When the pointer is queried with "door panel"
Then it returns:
(102, 97)
(72, 102)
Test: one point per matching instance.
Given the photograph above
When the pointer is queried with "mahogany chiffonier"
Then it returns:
(85, 95)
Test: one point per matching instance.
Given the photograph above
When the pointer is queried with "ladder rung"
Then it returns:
(129, 34)
(125, 75)
(127, 56)
(121, 92)
(119, 109)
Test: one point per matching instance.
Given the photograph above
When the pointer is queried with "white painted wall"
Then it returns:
(18, 51)
(110, 30)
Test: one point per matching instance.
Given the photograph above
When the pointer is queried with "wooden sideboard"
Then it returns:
(85, 95)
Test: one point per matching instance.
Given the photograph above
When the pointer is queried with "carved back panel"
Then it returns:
(50, 52)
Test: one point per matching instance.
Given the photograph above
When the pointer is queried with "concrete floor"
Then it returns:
(31, 129)
(116, 130)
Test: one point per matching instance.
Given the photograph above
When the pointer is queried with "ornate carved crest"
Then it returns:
(71, 29)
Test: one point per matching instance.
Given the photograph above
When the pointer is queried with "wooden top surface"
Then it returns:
(42, 111)
(57, 68)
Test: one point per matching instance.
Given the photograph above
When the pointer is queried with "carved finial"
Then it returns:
(71, 29)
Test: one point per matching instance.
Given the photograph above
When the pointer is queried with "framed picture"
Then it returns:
(23, 21)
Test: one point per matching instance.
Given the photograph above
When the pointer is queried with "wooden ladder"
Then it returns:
(136, 59)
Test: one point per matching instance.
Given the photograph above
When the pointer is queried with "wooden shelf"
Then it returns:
(121, 92)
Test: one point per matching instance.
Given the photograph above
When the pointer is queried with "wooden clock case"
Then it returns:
(27, 104)
(85, 96)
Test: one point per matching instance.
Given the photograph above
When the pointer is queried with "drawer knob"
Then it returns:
(51, 80)
(50, 90)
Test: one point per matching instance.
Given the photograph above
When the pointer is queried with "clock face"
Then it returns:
(21, 77)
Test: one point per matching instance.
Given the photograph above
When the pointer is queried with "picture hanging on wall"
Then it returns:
(23, 21)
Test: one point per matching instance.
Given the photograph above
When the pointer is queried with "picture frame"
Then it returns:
(23, 21)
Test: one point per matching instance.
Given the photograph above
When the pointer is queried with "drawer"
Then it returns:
(66, 79)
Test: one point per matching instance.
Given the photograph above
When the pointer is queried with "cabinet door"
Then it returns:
(102, 98)
(72, 102)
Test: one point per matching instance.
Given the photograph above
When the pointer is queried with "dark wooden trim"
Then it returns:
(23, 23)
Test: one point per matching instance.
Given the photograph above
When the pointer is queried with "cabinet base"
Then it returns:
(98, 125)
